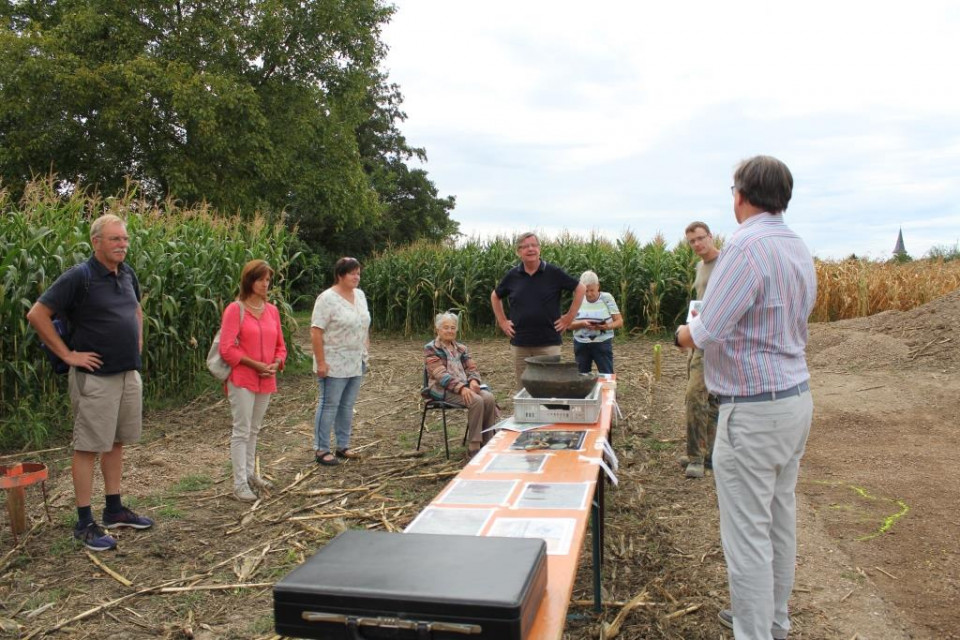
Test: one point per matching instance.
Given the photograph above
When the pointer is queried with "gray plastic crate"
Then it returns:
(563, 410)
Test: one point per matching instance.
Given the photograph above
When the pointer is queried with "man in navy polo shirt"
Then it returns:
(533, 289)
(101, 299)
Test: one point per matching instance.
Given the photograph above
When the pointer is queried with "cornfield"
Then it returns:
(407, 287)
(651, 282)
(188, 263)
(857, 288)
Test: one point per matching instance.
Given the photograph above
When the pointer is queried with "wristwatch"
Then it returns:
(676, 337)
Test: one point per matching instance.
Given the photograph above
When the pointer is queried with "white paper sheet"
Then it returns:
(488, 492)
(450, 521)
(556, 532)
(554, 495)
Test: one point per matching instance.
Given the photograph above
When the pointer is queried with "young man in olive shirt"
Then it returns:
(701, 411)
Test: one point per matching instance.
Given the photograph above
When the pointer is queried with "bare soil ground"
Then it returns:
(878, 520)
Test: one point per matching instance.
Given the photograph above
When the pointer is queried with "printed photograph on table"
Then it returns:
(492, 492)
(554, 495)
(447, 521)
(516, 463)
(554, 440)
(556, 532)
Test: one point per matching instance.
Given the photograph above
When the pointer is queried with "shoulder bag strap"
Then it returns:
(236, 341)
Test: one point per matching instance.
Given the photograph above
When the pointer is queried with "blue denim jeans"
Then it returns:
(586, 353)
(335, 410)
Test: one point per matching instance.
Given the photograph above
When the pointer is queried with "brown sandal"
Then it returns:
(347, 454)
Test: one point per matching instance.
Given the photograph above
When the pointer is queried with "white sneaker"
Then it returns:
(695, 470)
(244, 494)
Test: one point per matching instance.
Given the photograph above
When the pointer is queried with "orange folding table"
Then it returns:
(521, 485)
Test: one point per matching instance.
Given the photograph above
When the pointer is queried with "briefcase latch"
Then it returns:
(422, 628)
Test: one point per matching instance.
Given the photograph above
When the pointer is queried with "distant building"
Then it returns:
(899, 250)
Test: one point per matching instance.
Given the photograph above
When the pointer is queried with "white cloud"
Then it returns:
(564, 115)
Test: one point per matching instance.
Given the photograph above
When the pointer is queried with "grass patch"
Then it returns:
(63, 545)
(169, 511)
(655, 444)
(192, 483)
(406, 494)
(262, 626)
(162, 506)
(290, 560)
(189, 600)
(853, 577)
(298, 366)
(44, 597)
(406, 439)
(303, 316)
(68, 518)
(18, 561)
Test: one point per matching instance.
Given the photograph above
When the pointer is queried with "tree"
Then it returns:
(412, 206)
(244, 104)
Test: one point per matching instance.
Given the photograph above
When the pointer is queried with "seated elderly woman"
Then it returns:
(453, 377)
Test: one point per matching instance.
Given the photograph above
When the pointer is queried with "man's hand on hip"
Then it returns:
(84, 360)
(562, 323)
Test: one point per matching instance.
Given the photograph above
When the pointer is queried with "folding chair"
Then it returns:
(430, 404)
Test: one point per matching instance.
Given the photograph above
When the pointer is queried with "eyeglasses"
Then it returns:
(530, 245)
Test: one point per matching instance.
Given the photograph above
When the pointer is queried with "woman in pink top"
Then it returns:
(252, 344)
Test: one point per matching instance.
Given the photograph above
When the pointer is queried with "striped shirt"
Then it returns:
(753, 323)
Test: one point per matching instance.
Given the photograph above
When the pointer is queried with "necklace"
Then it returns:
(255, 309)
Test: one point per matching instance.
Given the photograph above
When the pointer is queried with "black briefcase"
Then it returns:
(375, 585)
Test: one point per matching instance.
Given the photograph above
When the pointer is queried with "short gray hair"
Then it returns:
(96, 228)
(588, 278)
(524, 236)
(446, 315)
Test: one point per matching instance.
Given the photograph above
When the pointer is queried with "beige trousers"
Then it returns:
(247, 409)
(481, 414)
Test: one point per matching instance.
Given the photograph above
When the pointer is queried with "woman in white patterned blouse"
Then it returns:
(340, 332)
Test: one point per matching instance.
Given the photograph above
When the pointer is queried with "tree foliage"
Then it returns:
(269, 105)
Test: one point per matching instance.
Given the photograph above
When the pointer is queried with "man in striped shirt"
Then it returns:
(753, 330)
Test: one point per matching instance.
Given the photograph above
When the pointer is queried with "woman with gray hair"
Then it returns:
(453, 378)
(593, 327)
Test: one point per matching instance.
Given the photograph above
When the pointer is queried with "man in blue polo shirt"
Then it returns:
(533, 290)
(101, 299)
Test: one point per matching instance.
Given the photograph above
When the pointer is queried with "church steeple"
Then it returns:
(900, 250)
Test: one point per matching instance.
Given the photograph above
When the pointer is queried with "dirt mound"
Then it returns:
(927, 335)
(828, 346)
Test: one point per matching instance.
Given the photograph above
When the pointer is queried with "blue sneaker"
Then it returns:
(125, 518)
(94, 537)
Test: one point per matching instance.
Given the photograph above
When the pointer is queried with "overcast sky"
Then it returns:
(614, 115)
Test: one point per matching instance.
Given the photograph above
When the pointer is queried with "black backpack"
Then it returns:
(63, 327)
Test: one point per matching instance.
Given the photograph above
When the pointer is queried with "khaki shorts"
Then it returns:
(106, 409)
